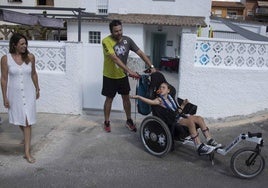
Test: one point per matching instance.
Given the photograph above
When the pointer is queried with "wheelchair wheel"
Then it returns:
(155, 136)
(247, 163)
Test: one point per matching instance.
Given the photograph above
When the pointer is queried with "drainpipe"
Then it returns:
(79, 25)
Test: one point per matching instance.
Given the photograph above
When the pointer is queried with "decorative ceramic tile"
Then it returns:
(47, 58)
(231, 54)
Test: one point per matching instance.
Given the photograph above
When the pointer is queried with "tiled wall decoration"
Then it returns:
(136, 64)
(231, 54)
(46, 58)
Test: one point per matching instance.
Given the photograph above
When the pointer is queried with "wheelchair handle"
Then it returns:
(258, 135)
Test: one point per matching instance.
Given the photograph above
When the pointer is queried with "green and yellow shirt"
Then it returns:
(121, 50)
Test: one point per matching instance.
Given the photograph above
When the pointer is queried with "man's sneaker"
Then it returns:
(204, 149)
(130, 125)
(213, 143)
(107, 126)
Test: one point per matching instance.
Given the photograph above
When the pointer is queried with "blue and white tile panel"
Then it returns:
(233, 54)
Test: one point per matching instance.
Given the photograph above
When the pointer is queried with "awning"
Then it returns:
(26, 19)
(151, 19)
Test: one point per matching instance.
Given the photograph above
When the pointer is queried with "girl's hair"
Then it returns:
(167, 84)
(14, 40)
(114, 23)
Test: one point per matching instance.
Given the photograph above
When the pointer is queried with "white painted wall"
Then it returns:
(136, 32)
(57, 3)
(220, 92)
(177, 7)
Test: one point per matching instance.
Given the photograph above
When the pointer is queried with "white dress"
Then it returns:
(21, 93)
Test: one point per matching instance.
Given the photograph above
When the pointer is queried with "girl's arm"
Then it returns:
(184, 103)
(156, 101)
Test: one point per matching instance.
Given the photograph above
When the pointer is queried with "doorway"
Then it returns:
(158, 48)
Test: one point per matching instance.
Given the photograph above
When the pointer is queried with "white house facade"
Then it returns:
(212, 71)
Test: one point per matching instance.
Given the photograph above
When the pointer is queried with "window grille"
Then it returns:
(102, 7)
(94, 37)
(14, 0)
(45, 2)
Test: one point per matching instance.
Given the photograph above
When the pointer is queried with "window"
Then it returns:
(45, 2)
(94, 37)
(218, 13)
(250, 13)
(14, 0)
(231, 14)
(102, 7)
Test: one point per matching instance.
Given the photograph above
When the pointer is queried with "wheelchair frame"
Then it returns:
(245, 162)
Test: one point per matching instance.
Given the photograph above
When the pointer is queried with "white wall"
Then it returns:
(221, 91)
(218, 90)
(177, 7)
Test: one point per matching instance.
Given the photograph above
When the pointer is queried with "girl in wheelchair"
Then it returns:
(192, 122)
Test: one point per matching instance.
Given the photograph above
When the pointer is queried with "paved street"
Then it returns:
(74, 151)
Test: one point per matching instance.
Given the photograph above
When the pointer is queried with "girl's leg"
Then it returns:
(188, 122)
(200, 121)
(205, 130)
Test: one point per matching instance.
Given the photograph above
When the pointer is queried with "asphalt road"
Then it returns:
(74, 151)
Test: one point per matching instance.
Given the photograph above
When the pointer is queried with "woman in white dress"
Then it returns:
(20, 89)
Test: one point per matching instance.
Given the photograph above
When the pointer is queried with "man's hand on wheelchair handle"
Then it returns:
(134, 75)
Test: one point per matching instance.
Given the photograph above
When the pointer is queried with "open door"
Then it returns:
(158, 48)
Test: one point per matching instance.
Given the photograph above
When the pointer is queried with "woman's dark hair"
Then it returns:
(14, 41)
(114, 23)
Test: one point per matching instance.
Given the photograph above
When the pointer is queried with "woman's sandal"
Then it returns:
(30, 159)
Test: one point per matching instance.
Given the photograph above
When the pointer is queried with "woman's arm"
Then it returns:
(34, 76)
(156, 101)
(4, 80)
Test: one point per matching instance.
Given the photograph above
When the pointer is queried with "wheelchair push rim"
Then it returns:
(155, 136)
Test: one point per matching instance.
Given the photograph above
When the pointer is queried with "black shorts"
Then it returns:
(112, 86)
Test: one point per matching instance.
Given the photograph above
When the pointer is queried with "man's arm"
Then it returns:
(145, 58)
(118, 62)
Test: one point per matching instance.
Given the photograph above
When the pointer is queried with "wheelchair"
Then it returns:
(158, 137)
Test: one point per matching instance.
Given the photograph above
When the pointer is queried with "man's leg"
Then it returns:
(127, 105)
(107, 108)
